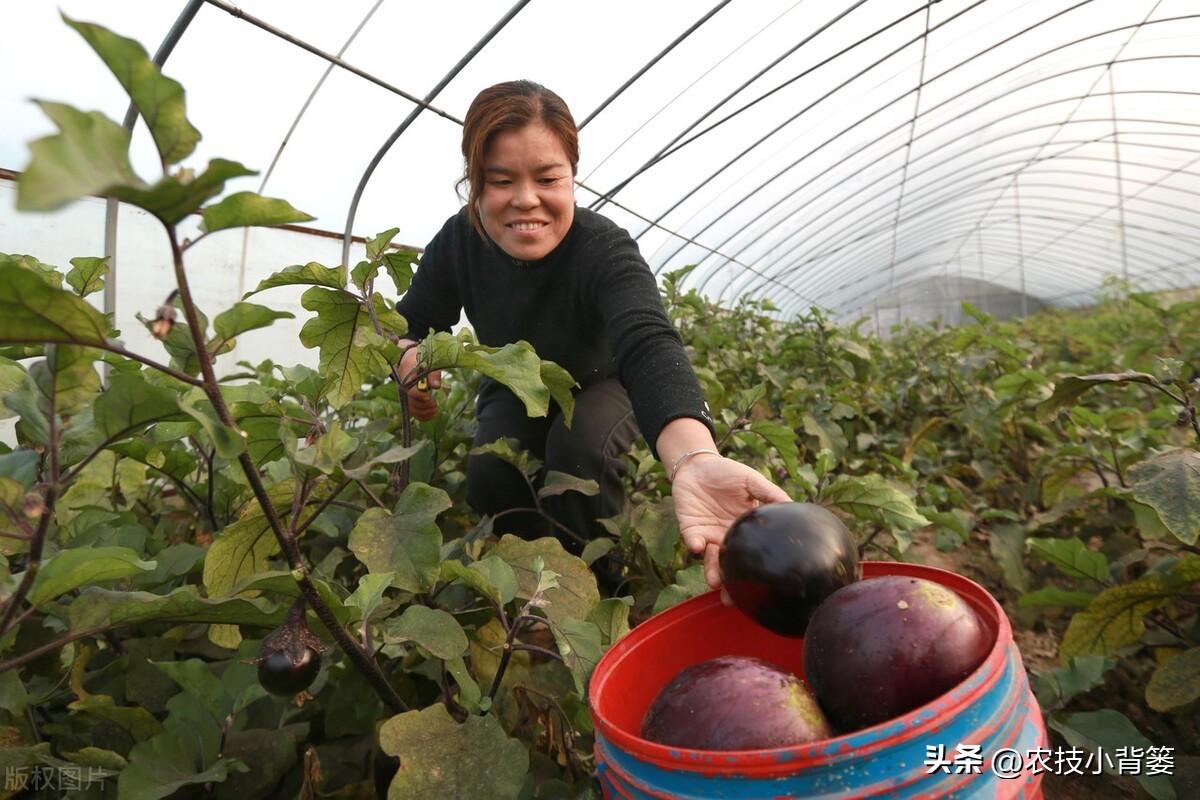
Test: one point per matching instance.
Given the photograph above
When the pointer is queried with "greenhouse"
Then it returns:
(747, 399)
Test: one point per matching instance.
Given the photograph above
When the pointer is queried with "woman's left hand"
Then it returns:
(710, 493)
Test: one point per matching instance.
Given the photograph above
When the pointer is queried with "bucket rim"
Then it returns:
(825, 752)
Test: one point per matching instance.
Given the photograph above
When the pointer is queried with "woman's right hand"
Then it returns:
(421, 402)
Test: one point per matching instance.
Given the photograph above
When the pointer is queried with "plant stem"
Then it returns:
(38, 541)
(287, 542)
(113, 347)
(49, 647)
(533, 648)
(400, 474)
(1116, 462)
(324, 504)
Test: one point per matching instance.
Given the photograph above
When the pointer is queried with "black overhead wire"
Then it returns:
(809, 107)
(425, 104)
(650, 64)
(662, 153)
(912, 128)
(287, 37)
(977, 107)
(1108, 71)
(347, 236)
(950, 70)
(796, 269)
(697, 79)
(848, 254)
(855, 218)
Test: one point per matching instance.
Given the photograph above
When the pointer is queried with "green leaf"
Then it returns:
(88, 156)
(104, 608)
(131, 403)
(490, 576)
(33, 311)
(13, 697)
(12, 377)
(378, 245)
(1055, 597)
(1114, 618)
(597, 548)
(70, 569)
(228, 442)
(1069, 388)
(391, 456)
(1176, 682)
(399, 266)
(46, 272)
(560, 383)
(783, 439)
(1106, 732)
(827, 432)
(499, 575)
(432, 628)
(176, 196)
(87, 274)
(273, 754)
(557, 483)
(509, 449)
(244, 317)
(1170, 484)
(139, 723)
(67, 379)
(1082, 674)
(579, 645)
(246, 209)
(1073, 558)
(872, 498)
(99, 758)
(576, 592)
(369, 593)
(363, 273)
(243, 549)
(407, 543)
(611, 618)
(469, 694)
(441, 759)
(1020, 385)
(688, 583)
(658, 529)
(158, 98)
(310, 274)
(161, 766)
(515, 365)
(342, 331)
(329, 451)
(197, 679)
(1007, 545)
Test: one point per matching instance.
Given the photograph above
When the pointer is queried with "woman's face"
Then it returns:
(528, 198)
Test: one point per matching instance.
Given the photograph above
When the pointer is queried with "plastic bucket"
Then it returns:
(993, 708)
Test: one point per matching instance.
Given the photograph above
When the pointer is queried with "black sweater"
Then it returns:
(591, 305)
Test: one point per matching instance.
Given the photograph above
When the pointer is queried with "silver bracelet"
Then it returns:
(679, 461)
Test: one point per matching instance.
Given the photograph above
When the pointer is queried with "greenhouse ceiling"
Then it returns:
(849, 155)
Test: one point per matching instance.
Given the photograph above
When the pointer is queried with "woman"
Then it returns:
(525, 263)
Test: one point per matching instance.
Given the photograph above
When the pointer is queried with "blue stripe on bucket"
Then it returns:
(878, 762)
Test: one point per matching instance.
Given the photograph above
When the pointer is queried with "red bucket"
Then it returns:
(992, 708)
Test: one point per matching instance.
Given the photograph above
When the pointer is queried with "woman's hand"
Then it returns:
(421, 402)
(711, 492)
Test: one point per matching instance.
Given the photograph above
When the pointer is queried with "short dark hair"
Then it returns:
(510, 106)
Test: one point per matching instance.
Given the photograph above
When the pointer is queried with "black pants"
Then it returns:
(602, 431)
